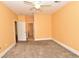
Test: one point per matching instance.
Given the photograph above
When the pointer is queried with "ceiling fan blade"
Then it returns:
(46, 5)
(50, 4)
(28, 3)
(56, 1)
(35, 10)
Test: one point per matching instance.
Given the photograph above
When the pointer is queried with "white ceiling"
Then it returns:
(24, 9)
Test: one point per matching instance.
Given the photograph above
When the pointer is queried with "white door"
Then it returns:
(21, 29)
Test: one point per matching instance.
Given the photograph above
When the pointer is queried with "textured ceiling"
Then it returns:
(21, 8)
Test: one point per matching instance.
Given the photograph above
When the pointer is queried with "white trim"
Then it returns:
(63, 45)
(4, 52)
(42, 39)
(67, 47)
(22, 39)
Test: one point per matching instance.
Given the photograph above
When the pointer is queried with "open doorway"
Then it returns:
(30, 27)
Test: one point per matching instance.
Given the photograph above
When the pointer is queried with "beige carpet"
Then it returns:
(39, 49)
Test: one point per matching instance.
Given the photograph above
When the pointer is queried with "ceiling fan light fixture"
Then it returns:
(37, 6)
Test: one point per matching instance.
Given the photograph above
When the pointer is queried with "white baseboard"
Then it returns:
(4, 52)
(67, 47)
(22, 39)
(42, 39)
(63, 45)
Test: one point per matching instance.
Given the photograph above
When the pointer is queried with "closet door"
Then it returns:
(21, 29)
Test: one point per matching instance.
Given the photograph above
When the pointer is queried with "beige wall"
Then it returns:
(29, 19)
(7, 33)
(26, 18)
(42, 25)
(21, 18)
(65, 25)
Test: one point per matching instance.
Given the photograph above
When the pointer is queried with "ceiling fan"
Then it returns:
(38, 4)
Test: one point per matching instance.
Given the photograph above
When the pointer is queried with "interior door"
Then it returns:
(21, 29)
(16, 37)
